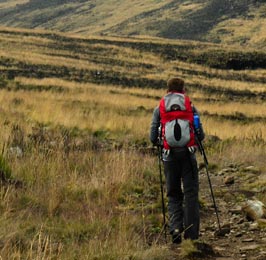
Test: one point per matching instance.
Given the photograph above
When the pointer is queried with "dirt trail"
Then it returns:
(246, 239)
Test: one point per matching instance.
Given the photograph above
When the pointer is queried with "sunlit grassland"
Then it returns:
(116, 109)
(229, 84)
(46, 51)
(227, 108)
(97, 200)
(243, 29)
(116, 10)
(236, 23)
(75, 207)
(80, 178)
(8, 4)
(87, 107)
(125, 113)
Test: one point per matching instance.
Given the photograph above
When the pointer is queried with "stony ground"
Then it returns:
(244, 238)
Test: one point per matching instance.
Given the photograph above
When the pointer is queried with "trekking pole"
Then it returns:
(202, 151)
(162, 193)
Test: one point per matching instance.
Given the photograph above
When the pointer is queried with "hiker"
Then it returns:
(172, 118)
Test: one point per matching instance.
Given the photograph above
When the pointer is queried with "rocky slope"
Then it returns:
(243, 234)
(227, 21)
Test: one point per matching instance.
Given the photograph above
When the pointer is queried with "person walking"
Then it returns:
(172, 121)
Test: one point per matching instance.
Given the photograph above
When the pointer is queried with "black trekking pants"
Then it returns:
(182, 185)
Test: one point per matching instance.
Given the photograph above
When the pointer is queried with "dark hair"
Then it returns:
(175, 84)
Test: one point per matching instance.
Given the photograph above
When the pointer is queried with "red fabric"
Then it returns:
(172, 115)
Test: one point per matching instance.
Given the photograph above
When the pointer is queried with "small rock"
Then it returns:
(262, 189)
(240, 221)
(237, 210)
(229, 180)
(251, 169)
(255, 190)
(248, 240)
(254, 209)
(262, 253)
(259, 257)
(225, 229)
(226, 225)
(262, 221)
(232, 165)
(248, 248)
(226, 170)
(210, 228)
(16, 151)
(224, 258)
(220, 249)
(236, 219)
(239, 234)
(254, 226)
(201, 166)
(245, 225)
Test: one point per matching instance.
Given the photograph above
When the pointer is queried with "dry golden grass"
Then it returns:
(89, 183)
(227, 129)
(116, 109)
(245, 27)
(231, 108)
(244, 31)
(12, 3)
(67, 212)
(118, 10)
(94, 115)
(229, 84)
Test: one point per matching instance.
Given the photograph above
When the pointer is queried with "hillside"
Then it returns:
(227, 21)
(78, 176)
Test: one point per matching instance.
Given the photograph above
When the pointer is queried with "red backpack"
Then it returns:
(177, 121)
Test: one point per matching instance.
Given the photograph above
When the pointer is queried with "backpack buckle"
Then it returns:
(192, 149)
(166, 152)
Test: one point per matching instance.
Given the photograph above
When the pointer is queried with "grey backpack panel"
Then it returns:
(177, 133)
(174, 101)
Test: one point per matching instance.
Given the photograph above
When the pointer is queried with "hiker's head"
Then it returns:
(175, 84)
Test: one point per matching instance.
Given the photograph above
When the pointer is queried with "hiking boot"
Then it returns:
(176, 237)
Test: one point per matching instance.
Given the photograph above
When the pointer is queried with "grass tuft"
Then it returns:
(188, 249)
